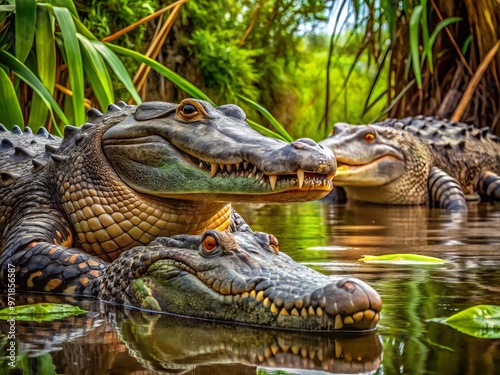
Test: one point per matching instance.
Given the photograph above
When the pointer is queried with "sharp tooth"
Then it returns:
(338, 322)
(254, 170)
(330, 177)
(228, 167)
(245, 165)
(213, 169)
(272, 180)
(238, 166)
(221, 166)
(201, 164)
(300, 176)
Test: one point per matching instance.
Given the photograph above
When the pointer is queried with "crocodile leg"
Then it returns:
(444, 191)
(37, 246)
(489, 186)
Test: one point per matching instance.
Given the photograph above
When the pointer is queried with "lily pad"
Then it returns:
(40, 312)
(401, 259)
(481, 321)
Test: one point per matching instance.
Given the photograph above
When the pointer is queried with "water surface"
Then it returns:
(331, 239)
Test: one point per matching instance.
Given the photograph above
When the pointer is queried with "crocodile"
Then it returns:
(238, 277)
(416, 160)
(133, 174)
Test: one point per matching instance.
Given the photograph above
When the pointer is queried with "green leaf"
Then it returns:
(10, 110)
(97, 73)
(176, 79)
(46, 66)
(8, 8)
(414, 43)
(25, 27)
(31, 80)
(440, 26)
(425, 36)
(281, 130)
(74, 62)
(481, 321)
(401, 259)
(40, 312)
(69, 4)
(117, 67)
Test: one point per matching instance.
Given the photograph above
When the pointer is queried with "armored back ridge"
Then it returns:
(416, 160)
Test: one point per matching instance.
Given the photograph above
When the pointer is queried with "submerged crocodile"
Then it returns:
(134, 174)
(238, 277)
(416, 160)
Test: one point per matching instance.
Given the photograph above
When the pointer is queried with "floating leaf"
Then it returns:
(40, 312)
(481, 321)
(401, 259)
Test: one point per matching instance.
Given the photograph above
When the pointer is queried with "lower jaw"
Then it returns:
(290, 195)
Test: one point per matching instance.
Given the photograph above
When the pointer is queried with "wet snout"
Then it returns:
(303, 154)
(352, 304)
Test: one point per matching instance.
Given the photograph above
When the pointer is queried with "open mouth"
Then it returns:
(343, 167)
(304, 180)
(298, 180)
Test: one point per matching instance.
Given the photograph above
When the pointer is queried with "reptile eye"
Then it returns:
(369, 137)
(188, 109)
(209, 244)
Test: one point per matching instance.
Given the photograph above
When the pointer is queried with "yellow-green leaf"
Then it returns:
(415, 44)
(176, 79)
(74, 62)
(117, 67)
(39, 312)
(482, 321)
(97, 73)
(10, 111)
(31, 80)
(46, 66)
(401, 259)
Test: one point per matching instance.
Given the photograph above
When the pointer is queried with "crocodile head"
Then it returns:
(241, 278)
(379, 164)
(193, 151)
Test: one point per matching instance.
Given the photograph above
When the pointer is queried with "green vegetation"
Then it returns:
(40, 312)
(481, 321)
(272, 57)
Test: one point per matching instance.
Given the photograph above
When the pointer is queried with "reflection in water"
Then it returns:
(330, 239)
(96, 343)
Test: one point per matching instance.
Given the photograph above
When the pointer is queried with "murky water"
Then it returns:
(330, 239)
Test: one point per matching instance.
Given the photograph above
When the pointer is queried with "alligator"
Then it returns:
(238, 277)
(134, 174)
(416, 160)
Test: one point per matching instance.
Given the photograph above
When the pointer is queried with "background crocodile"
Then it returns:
(416, 160)
(134, 174)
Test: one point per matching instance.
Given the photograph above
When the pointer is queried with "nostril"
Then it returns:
(307, 141)
(349, 286)
(303, 142)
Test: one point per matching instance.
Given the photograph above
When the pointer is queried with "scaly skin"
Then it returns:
(135, 174)
(237, 277)
(416, 161)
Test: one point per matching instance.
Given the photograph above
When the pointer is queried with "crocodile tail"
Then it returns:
(489, 186)
(445, 192)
